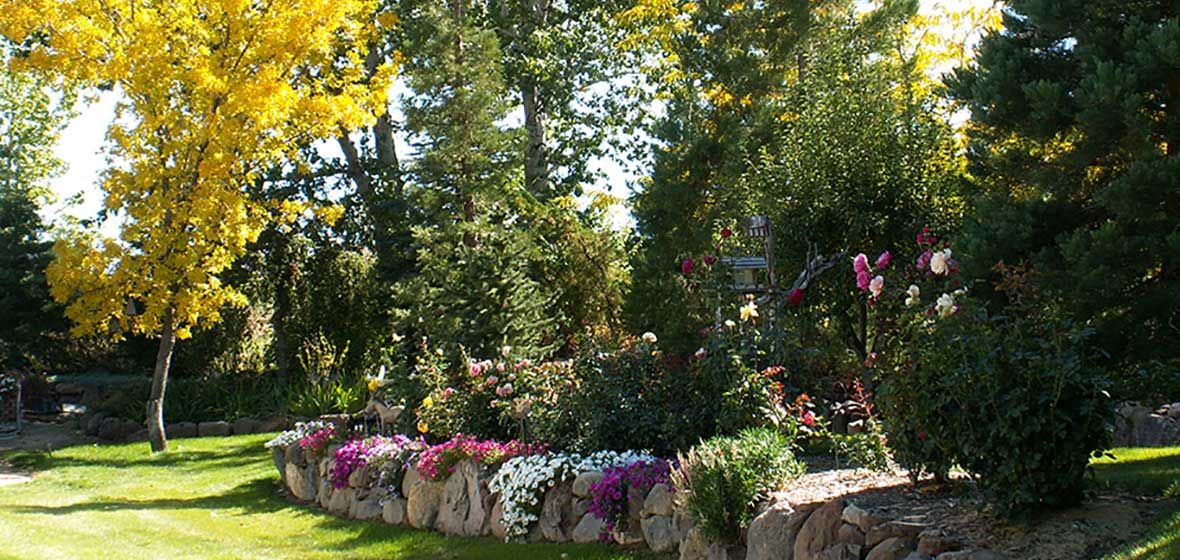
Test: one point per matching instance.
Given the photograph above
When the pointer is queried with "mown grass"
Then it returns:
(1150, 472)
(208, 498)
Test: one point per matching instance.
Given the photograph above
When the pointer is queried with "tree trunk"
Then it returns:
(536, 161)
(155, 406)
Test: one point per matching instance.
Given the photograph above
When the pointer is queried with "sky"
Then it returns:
(81, 147)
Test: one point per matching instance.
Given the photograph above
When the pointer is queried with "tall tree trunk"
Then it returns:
(536, 160)
(155, 406)
(284, 285)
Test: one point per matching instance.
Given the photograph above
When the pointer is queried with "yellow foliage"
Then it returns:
(215, 92)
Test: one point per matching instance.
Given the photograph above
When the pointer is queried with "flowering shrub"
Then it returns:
(438, 461)
(608, 497)
(9, 382)
(352, 456)
(300, 431)
(522, 482)
(391, 458)
(317, 442)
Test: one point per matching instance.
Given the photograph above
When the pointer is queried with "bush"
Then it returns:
(724, 478)
(1016, 402)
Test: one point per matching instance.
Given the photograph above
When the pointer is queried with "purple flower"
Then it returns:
(884, 260)
(860, 264)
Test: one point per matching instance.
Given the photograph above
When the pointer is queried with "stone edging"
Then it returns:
(463, 506)
(111, 428)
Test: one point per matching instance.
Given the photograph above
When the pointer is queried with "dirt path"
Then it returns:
(44, 436)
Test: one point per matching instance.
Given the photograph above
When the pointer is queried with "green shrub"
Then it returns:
(1014, 401)
(722, 479)
(226, 397)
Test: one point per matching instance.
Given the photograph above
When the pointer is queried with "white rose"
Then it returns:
(876, 285)
(649, 337)
(940, 262)
(945, 305)
(914, 295)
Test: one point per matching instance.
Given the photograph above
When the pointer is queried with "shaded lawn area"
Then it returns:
(208, 498)
(1146, 471)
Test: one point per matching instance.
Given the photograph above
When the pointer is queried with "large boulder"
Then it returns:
(243, 426)
(934, 542)
(274, 424)
(820, 531)
(863, 520)
(295, 454)
(423, 500)
(588, 529)
(584, 481)
(183, 430)
(341, 501)
(694, 546)
(498, 529)
(902, 529)
(892, 548)
(278, 455)
(93, 423)
(394, 511)
(773, 533)
(214, 429)
(301, 485)
(658, 533)
(466, 506)
(719, 551)
(557, 513)
(116, 429)
(660, 501)
(366, 508)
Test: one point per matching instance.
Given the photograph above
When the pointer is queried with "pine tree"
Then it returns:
(1075, 148)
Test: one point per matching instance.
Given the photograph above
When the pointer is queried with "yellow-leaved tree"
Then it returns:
(214, 93)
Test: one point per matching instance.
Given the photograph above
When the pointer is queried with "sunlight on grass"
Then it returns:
(1148, 471)
(209, 498)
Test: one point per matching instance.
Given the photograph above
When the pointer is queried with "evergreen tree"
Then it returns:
(1075, 148)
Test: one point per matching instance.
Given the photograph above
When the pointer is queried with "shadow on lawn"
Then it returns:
(228, 456)
(1149, 476)
(254, 497)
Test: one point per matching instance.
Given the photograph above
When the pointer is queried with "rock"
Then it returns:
(1174, 410)
(581, 507)
(295, 454)
(497, 522)
(658, 533)
(659, 501)
(726, 552)
(694, 546)
(278, 456)
(68, 389)
(905, 530)
(583, 482)
(772, 534)
(892, 548)
(557, 513)
(273, 424)
(326, 489)
(183, 430)
(850, 534)
(842, 551)
(341, 501)
(863, 520)
(394, 511)
(916, 556)
(139, 435)
(588, 529)
(933, 543)
(302, 485)
(971, 555)
(243, 426)
(366, 509)
(117, 429)
(465, 508)
(682, 522)
(423, 500)
(819, 531)
(213, 429)
(628, 534)
(93, 423)
(359, 477)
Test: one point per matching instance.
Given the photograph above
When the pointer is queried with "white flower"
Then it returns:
(506, 350)
(940, 262)
(729, 324)
(749, 311)
(701, 354)
(877, 285)
(945, 305)
(914, 295)
(650, 337)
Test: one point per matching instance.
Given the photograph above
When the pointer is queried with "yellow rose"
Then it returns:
(423, 426)
(427, 402)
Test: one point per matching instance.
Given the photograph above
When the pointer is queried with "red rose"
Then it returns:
(796, 296)
(686, 267)
(725, 233)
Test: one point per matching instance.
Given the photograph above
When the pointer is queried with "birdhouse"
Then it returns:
(749, 273)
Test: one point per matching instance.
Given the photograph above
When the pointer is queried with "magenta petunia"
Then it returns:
(860, 264)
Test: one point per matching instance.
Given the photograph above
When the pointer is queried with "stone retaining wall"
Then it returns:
(111, 428)
(463, 506)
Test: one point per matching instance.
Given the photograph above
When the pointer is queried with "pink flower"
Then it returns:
(884, 260)
(504, 390)
(448, 392)
(709, 260)
(476, 369)
(686, 266)
(796, 296)
(876, 285)
(863, 280)
(809, 419)
(924, 259)
(860, 263)
(493, 380)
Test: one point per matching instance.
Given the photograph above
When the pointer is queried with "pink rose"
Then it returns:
(924, 259)
(809, 419)
(877, 285)
(476, 369)
(686, 267)
(860, 263)
(884, 260)
(863, 280)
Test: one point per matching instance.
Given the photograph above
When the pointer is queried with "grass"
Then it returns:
(209, 498)
(1147, 471)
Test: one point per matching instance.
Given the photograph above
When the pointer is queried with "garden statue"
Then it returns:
(386, 415)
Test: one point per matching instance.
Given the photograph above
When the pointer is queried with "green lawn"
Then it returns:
(208, 498)
(1147, 471)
